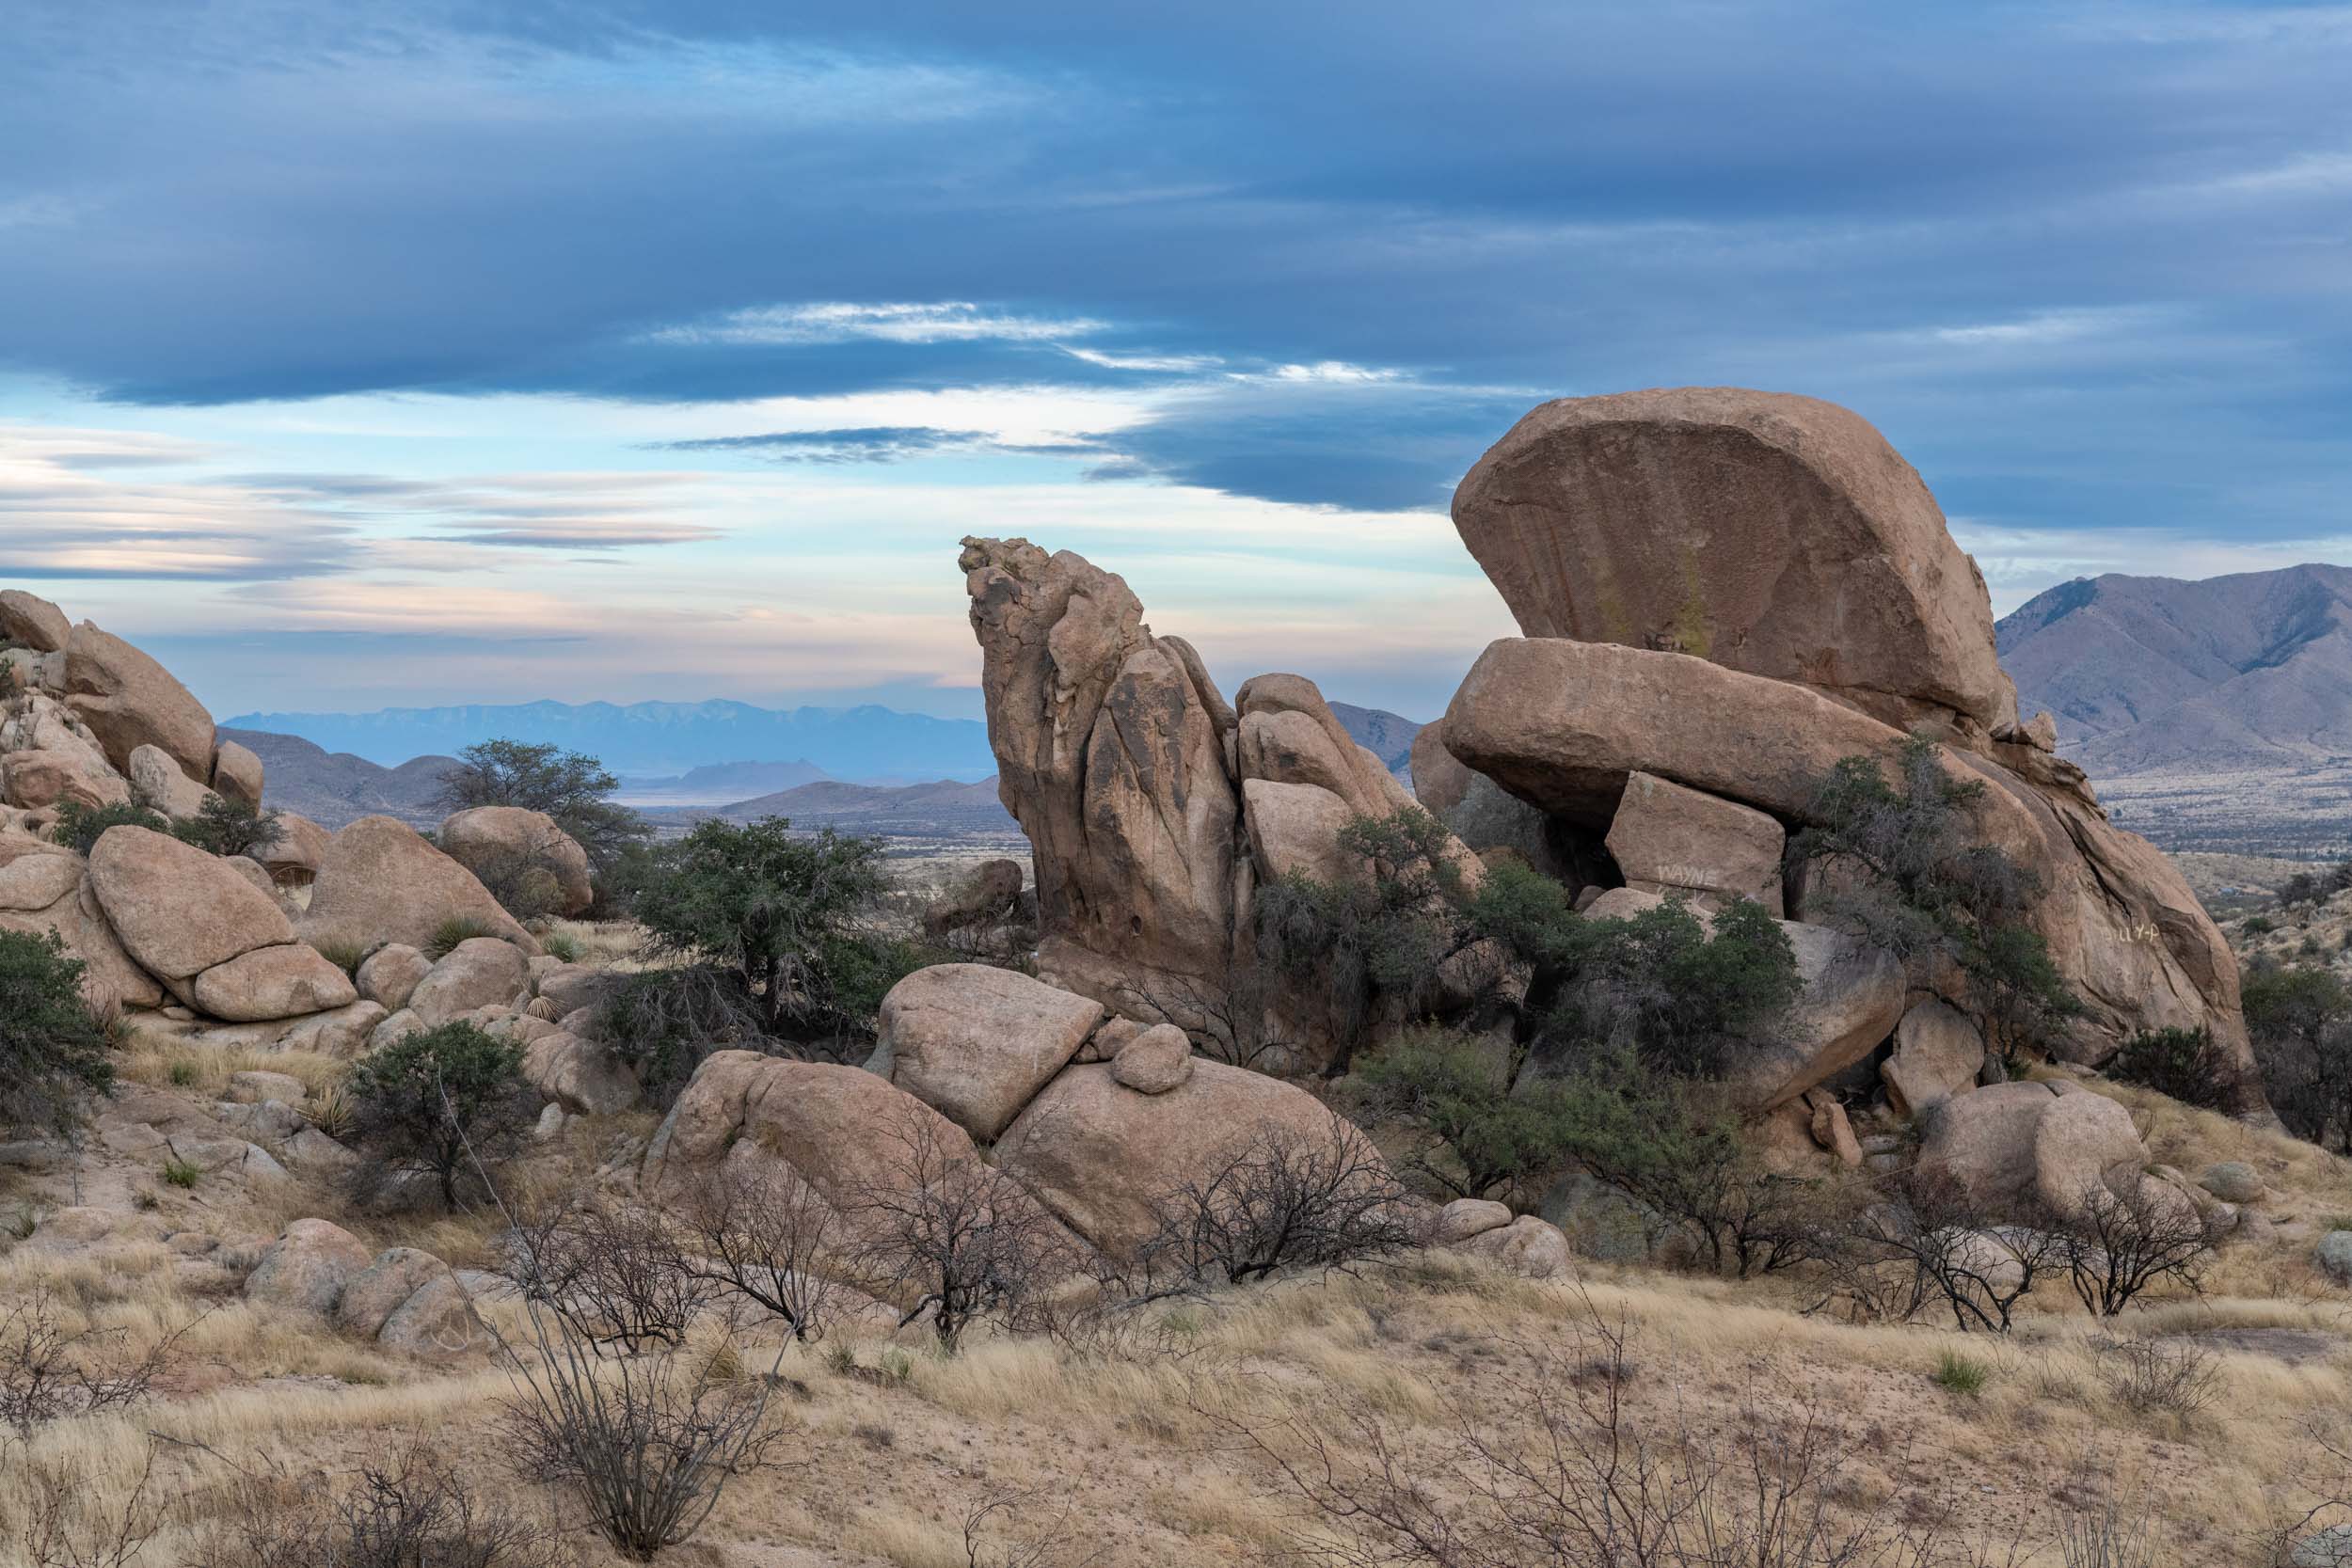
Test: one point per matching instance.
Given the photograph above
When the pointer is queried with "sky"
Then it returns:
(355, 355)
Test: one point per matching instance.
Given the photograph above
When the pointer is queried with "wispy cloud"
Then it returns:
(944, 321)
(866, 444)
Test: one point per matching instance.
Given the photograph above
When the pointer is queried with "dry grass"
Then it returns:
(166, 1064)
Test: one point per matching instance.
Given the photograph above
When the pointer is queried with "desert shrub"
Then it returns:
(79, 827)
(2301, 1020)
(458, 929)
(2303, 888)
(1478, 1138)
(944, 1233)
(2257, 925)
(523, 878)
(2118, 1243)
(224, 827)
(561, 946)
(664, 1022)
(50, 1372)
(1924, 1244)
(1956, 1374)
(439, 1103)
(761, 1237)
(52, 1048)
(1678, 1147)
(791, 915)
(1278, 1198)
(345, 955)
(1916, 882)
(1551, 1463)
(2189, 1064)
(568, 787)
(613, 1272)
(178, 1173)
(414, 1510)
(2174, 1375)
(1382, 934)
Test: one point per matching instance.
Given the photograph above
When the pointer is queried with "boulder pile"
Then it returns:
(229, 948)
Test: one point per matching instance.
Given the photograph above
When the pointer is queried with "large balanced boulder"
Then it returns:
(110, 978)
(379, 881)
(390, 975)
(1853, 1000)
(975, 1042)
(28, 622)
(1775, 534)
(1111, 753)
(503, 845)
(130, 701)
(157, 784)
(1102, 1155)
(177, 909)
(300, 850)
(237, 773)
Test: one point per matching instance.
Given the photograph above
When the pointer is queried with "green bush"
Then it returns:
(664, 1022)
(182, 1174)
(79, 827)
(2301, 1018)
(1960, 1374)
(561, 946)
(2187, 1063)
(2257, 925)
(1919, 884)
(450, 933)
(1481, 1140)
(224, 827)
(792, 916)
(449, 1103)
(345, 955)
(52, 1048)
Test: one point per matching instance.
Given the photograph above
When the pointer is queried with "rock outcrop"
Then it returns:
(508, 845)
(1769, 534)
(379, 881)
(976, 1043)
(130, 701)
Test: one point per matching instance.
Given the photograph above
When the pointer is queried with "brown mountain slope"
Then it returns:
(2156, 674)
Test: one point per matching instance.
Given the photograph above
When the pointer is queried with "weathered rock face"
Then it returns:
(1564, 725)
(1110, 745)
(237, 773)
(1774, 534)
(480, 971)
(585, 1077)
(309, 1267)
(32, 623)
(1938, 1054)
(300, 850)
(1666, 837)
(2012, 1144)
(285, 981)
(177, 909)
(1099, 1154)
(390, 975)
(380, 882)
(501, 841)
(130, 701)
(976, 1042)
(157, 784)
(111, 979)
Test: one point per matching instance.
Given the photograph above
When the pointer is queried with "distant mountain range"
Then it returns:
(333, 787)
(2212, 715)
(664, 740)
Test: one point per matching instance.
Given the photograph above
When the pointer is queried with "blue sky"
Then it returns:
(363, 355)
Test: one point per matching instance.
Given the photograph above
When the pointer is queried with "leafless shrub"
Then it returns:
(646, 1443)
(1225, 1023)
(49, 1371)
(612, 1273)
(1279, 1198)
(2112, 1530)
(995, 1536)
(944, 1233)
(2133, 1233)
(1927, 1243)
(1555, 1470)
(760, 1235)
(2174, 1375)
(66, 1527)
(413, 1511)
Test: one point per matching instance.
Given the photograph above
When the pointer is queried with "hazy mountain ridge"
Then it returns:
(2150, 675)
(663, 739)
(332, 788)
